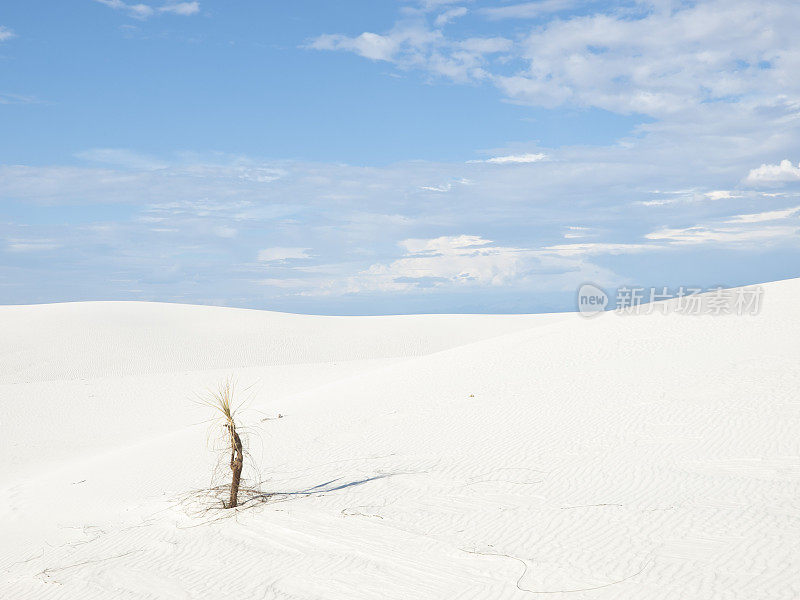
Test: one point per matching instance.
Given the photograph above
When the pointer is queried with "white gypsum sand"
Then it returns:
(430, 457)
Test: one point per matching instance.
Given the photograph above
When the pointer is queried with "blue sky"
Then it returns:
(383, 157)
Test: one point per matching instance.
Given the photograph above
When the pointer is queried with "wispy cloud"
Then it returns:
(177, 227)
(576, 231)
(140, 11)
(666, 198)
(412, 44)
(374, 46)
(599, 248)
(181, 8)
(700, 234)
(31, 245)
(437, 188)
(6, 34)
(719, 195)
(517, 158)
(527, 10)
(450, 15)
(702, 57)
(434, 5)
(282, 253)
(6, 98)
(770, 215)
(143, 11)
(466, 261)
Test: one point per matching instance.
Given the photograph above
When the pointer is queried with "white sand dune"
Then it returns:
(429, 457)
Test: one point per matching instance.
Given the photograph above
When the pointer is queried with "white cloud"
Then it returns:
(450, 15)
(717, 77)
(444, 245)
(685, 196)
(575, 231)
(412, 44)
(700, 234)
(143, 11)
(771, 215)
(17, 99)
(31, 245)
(719, 195)
(515, 159)
(464, 260)
(662, 62)
(181, 8)
(370, 45)
(785, 171)
(282, 253)
(432, 5)
(527, 10)
(6, 34)
(598, 248)
(437, 188)
(657, 202)
(212, 215)
(468, 261)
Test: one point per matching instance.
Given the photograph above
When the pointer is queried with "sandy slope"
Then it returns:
(419, 457)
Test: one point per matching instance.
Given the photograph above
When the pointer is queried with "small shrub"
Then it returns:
(222, 400)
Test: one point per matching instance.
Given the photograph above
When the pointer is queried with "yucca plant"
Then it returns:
(222, 401)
